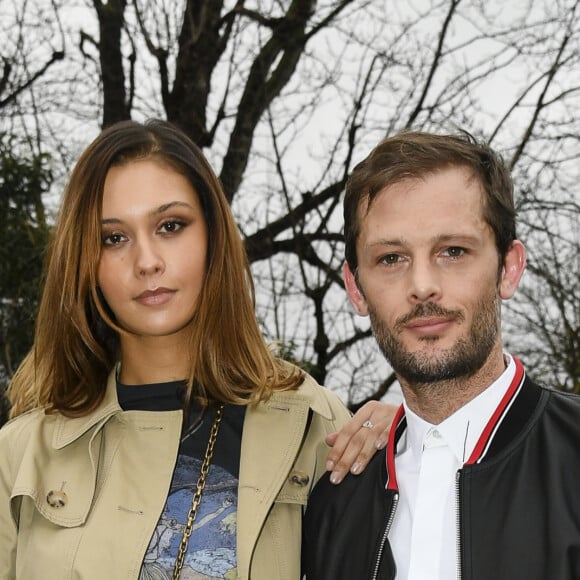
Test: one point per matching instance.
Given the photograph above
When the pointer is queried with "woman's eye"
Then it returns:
(171, 226)
(112, 239)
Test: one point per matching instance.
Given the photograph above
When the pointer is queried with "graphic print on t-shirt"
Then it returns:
(211, 552)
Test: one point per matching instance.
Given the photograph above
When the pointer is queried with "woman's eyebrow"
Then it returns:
(159, 210)
(163, 208)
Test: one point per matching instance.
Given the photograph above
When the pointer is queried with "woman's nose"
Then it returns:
(148, 259)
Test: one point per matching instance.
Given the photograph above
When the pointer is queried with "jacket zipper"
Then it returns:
(458, 523)
(375, 574)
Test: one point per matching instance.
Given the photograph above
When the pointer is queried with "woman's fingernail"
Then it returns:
(334, 478)
(380, 443)
(355, 468)
(329, 465)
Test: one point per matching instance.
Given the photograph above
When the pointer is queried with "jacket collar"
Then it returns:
(69, 429)
(486, 438)
(518, 403)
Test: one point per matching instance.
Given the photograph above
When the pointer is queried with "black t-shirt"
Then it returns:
(212, 545)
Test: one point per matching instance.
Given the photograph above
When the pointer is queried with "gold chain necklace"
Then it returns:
(198, 493)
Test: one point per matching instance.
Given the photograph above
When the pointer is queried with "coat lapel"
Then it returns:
(273, 433)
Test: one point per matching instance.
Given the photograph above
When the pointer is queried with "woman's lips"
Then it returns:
(155, 297)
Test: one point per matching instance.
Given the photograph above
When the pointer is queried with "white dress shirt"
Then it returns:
(423, 536)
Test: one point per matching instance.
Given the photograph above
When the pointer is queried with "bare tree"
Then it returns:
(286, 97)
(27, 53)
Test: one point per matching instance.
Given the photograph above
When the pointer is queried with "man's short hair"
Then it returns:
(414, 154)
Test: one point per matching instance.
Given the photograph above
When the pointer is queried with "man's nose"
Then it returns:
(425, 284)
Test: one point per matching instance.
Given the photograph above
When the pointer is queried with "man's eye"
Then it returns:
(391, 259)
(454, 252)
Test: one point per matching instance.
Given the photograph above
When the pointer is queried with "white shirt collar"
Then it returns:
(461, 430)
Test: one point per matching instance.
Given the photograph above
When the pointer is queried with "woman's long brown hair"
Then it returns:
(76, 341)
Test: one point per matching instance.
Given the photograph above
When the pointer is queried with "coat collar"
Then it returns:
(69, 429)
(311, 392)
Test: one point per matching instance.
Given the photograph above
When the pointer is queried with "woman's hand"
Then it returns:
(355, 444)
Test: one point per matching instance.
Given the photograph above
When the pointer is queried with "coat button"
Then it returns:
(56, 499)
(299, 478)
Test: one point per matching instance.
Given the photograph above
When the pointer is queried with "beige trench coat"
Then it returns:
(115, 468)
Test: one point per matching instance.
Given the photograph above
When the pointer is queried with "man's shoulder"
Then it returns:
(369, 482)
(556, 396)
(356, 497)
(346, 519)
(564, 397)
(565, 407)
(558, 422)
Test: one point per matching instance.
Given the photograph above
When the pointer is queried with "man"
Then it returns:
(481, 475)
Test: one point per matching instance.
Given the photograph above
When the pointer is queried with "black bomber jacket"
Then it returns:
(518, 500)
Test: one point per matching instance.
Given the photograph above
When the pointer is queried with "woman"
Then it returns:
(162, 438)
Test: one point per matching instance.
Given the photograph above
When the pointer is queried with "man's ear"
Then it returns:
(514, 264)
(354, 293)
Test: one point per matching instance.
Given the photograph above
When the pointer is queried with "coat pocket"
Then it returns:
(60, 483)
(53, 503)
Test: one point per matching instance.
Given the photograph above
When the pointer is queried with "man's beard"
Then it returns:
(461, 360)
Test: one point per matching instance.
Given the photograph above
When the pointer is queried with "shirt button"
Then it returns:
(436, 434)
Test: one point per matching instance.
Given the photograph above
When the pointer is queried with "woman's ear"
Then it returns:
(514, 264)
(355, 294)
